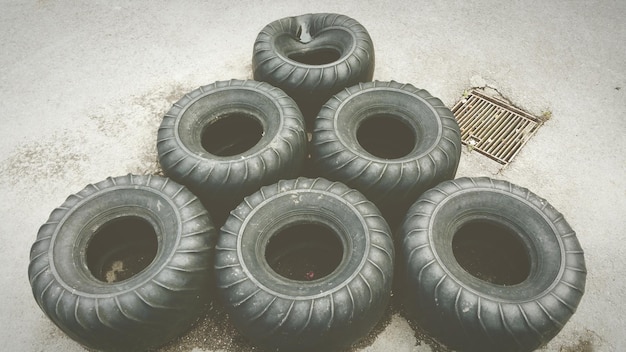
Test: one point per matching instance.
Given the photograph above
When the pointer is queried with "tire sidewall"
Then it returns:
(540, 239)
(392, 184)
(337, 214)
(466, 312)
(347, 49)
(150, 307)
(312, 85)
(209, 106)
(406, 106)
(331, 312)
(85, 219)
(289, 27)
(221, 182)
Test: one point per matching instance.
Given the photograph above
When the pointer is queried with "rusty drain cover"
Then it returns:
(492, 127)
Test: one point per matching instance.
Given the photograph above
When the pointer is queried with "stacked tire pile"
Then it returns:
(307, 263)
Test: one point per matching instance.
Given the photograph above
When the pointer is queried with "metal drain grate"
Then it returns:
(493, 128)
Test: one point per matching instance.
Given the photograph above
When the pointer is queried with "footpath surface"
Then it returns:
(84, 87)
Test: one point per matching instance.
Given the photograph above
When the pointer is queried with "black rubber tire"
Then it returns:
(395, 178)
(222, 177)
(282, 313)
(146, 309)
(312, 79)
(468, 313)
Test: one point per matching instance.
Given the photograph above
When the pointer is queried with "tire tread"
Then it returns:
(254, 307)
(503, 324)
(111, 318)
(320, 82)
(411, 177)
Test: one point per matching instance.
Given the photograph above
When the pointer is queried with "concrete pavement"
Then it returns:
(84, 86)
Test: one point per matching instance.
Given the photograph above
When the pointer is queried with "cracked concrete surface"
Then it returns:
(85, 84)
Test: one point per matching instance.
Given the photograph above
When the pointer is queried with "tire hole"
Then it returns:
(304, 252)
(491, 252)
(231, 134)
(386, 136)
(121, 249)
(316, 57)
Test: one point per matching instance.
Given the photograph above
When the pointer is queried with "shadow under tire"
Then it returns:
(125, 264)
(227, 139)
(313, 56)
(281, 297)
(490, 266)
(391, 141)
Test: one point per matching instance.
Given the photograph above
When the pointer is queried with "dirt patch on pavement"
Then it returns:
(587, 341)
(215, 332)
(55, 158)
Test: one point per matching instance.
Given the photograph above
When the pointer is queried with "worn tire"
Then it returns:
(338, 54)
(114, 219)
(208, 141)
(518, 309)
(390, 141)
(280, 312)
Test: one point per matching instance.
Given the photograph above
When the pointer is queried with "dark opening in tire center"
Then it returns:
(386, 136)
(231, 134)
(121, 249)
(491, 252)
(320, 56)
(304, 252)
